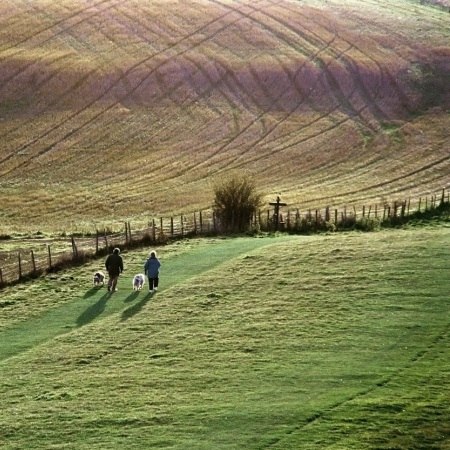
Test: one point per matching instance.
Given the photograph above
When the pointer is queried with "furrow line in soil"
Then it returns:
(57, 24)
(371, 188)
(124, 96)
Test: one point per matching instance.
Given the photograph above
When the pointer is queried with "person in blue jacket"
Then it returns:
(151, 269)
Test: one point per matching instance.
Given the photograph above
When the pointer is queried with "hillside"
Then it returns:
(113, 110)
(314, 342)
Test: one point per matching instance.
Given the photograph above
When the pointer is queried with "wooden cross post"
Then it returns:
(276, 214)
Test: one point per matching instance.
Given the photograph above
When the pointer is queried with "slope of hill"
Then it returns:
(314, 342)
(112, 110)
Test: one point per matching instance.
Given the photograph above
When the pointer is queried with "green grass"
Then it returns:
(290, 342)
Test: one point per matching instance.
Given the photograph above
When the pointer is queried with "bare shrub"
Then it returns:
(236, 200)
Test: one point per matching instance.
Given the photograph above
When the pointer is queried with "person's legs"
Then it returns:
(114, 282)
(110, 280)
(151, 282)
(155, 283)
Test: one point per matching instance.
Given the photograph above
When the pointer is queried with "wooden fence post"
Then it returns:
(96, 242)
(20, 266)
(171, 226)
(153, 230)
(200, 218)
(33, 261)
(403, 209)
(49, 257)
(130, 239)
(195, 223)
(74, 248)
(126, 233)
(161, 228)
(1, 277)
(182, 226)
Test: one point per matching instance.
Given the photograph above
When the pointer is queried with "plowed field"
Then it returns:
(113, 110)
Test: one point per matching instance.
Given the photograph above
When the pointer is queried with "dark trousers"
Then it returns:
(152, 283)
(112, 281)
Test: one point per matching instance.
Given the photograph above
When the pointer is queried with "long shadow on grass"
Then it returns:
(91, 292)
(131, 297)
(136, 308)
(93, 311)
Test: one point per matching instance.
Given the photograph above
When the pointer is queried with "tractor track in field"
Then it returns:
(360, 160)
(62, 31)
(213, 85)
(259, 118)
(373, 187)
(97, 115)
(69, 91)
(383, 73)
(337, 56)
(281, 37)
(49, 28)
(331, 81)
(116, 103)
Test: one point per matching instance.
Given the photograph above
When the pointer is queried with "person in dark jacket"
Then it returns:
(151, 269)
(114, 266)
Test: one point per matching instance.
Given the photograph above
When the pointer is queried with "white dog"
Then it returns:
(138, 281)
(99, 278)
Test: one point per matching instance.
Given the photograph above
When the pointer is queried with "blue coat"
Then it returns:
(151, 267)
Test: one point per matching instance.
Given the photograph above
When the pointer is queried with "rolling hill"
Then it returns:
(113, 110)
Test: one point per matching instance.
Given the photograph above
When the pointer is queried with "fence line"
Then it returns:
(24, 263)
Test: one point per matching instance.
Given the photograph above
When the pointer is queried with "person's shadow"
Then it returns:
(93, 311)
(134, 309)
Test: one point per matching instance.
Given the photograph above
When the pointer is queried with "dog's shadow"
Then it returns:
(93, 311)
(137, 307)
(131, 297)
(92, 291)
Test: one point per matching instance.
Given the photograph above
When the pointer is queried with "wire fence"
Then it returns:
(25, 263)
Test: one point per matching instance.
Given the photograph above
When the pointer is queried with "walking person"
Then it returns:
(114, 266)
(151, 269)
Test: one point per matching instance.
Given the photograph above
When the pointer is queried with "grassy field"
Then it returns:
(284, 342)
(113, 111)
